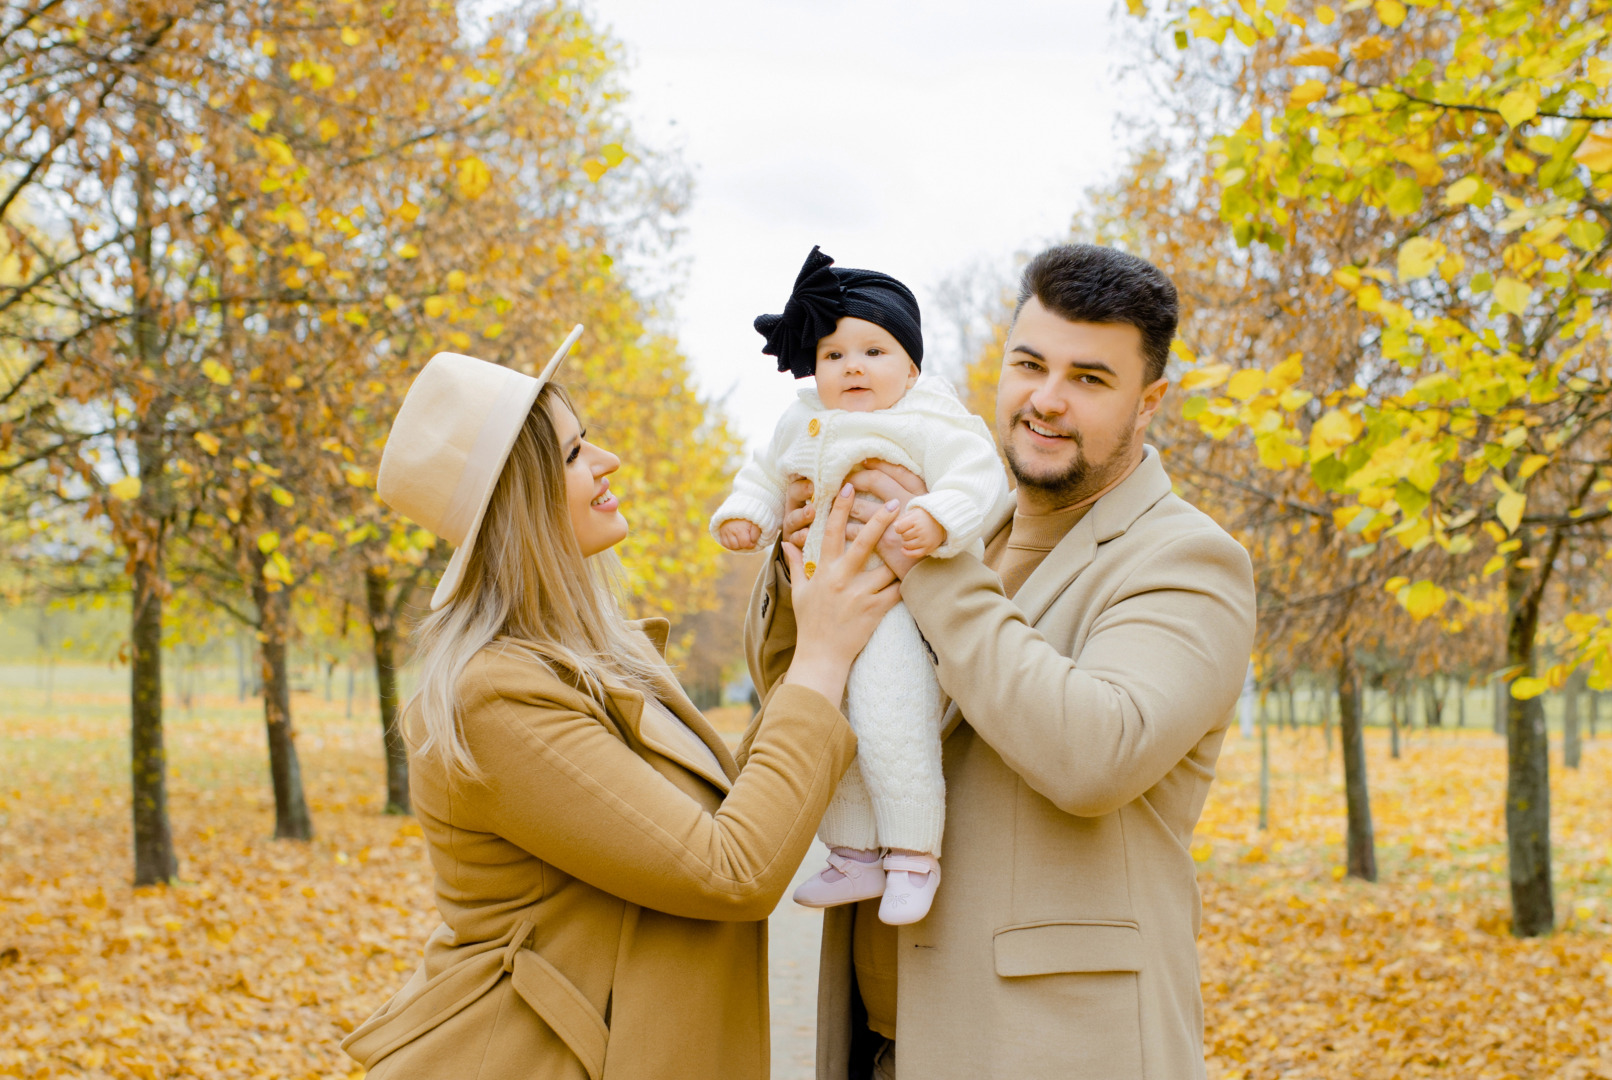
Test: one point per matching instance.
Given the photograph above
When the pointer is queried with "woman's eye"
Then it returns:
(576, 452)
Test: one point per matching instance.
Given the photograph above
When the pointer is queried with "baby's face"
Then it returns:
(861, 367)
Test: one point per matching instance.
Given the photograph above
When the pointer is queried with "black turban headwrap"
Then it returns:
(824, 294)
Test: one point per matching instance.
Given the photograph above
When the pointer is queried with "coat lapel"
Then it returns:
(652, 729)
(1110, 516)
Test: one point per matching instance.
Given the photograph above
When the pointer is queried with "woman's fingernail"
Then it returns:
(893, 504)
(847, 490)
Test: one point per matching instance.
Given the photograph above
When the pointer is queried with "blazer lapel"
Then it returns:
(656, 732)
(1109, 517)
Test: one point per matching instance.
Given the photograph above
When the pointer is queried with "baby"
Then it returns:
(858, 332)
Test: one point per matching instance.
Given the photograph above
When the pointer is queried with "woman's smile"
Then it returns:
(605, 502)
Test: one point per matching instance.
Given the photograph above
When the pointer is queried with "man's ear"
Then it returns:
(1152, 398)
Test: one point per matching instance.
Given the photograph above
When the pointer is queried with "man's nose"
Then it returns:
(1046, 399)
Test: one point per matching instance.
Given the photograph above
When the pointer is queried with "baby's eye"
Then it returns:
(875, 351)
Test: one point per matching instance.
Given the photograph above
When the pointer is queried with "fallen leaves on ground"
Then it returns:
(1308, 974)
(271, 951)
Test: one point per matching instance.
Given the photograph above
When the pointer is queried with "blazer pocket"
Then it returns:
(563, 1008)
(1067, 946)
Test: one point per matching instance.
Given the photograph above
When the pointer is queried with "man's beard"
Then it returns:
(1077, 479)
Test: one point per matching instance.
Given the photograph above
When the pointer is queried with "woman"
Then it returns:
(604, 865)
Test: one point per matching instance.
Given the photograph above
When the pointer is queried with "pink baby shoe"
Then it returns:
(910, 884)
(845, 880)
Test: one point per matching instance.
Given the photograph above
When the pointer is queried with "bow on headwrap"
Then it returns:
(823, 295)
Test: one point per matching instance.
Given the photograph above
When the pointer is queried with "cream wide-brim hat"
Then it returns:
(448, 445)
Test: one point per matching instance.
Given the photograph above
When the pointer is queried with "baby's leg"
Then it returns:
(848, 822)
(894, 704)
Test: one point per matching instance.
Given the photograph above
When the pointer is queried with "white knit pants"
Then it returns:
(893, 794)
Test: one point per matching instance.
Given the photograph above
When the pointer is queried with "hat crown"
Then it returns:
(450, 440)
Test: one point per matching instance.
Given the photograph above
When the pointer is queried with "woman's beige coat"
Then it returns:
(604, 890)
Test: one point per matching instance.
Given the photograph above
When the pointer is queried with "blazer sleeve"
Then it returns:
(574, 795)
(965, 479)
(1161, 668)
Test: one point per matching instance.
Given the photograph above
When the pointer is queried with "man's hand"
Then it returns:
(798, 510)
(921, 535)
(739, 535)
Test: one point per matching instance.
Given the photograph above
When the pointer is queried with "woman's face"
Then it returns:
(595, 512)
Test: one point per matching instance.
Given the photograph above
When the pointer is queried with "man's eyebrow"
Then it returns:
(1028, 351)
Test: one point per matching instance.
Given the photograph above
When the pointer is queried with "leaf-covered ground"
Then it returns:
(256, 966)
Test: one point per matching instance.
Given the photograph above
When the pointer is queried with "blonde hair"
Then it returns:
(527, 586)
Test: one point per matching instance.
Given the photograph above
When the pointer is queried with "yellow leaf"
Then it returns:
(1332, 433)
(350, 36)
(1286, 373)
(595, 169)
(268, 542)
(1391, 12)
(1370, 48)
(1209, 375)
(126, 489)
(407, 211)
(1461, 191)
(1306, 92)
(328, 129)
(1395, 583)
(1246, 383)
(356, 477)
(456, 280)
(1531, 464)
(1418, 256)
(1512, 295)
(1528, 687)
(1494, 565)
(1508, 508)
(393, 302)
(1518, 107)
(1595, 153)
(613, 155)
(408, 251)
(435, 305)
(493, 331)
(207, 442)
(473, 177)
(1314, 56)
(259, 120)
(281, 495)
(217, 372)
(1423, 599)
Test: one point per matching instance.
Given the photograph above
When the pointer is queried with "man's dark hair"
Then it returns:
(1087, 283)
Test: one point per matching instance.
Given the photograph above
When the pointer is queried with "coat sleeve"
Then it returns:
(965, 480)
(574, 795)
(1161, 668)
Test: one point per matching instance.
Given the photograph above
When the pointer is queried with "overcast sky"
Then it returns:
(910, 137)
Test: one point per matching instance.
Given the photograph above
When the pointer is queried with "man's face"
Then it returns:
(1071, 406)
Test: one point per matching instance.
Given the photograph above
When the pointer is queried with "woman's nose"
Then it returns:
(605, 462)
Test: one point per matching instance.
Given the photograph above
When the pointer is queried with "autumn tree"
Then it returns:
(1450, 154)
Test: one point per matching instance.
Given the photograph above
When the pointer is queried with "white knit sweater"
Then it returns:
(928, 431)
(894, 794)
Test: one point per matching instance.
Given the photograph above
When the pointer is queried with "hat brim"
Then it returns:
(520, 404)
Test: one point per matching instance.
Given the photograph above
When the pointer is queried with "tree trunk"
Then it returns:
(1502, 696)
(1432, 703)
(1393, 724)
(154, 860)
(383, 632)
(1264, 769)
(1527, 761)
(1326, 723)
(1595, 708)
(1362, 853)
(1461, 689)
(1572, 748)
(291, 818)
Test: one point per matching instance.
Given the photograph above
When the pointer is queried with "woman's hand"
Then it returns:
(838, 603)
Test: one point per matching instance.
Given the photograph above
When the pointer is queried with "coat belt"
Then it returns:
(554, 998)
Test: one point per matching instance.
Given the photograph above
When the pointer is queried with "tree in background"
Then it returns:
(1448, 194)
(264, 224)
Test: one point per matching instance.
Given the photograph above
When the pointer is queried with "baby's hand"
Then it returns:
(739, 535)
(920, 534)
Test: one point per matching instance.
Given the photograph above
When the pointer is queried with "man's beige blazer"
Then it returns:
(1086, 719)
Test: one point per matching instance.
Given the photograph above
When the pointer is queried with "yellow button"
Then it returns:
(812, 428)
(811, 567)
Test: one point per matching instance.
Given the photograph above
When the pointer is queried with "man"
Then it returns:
(1093, 660)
